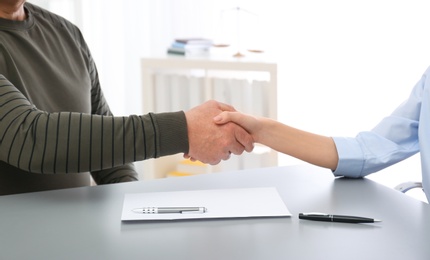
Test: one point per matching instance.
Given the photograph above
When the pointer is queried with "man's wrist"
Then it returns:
(173, 133)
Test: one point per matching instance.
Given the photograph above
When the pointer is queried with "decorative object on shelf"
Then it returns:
(187, 167)
(237, 23)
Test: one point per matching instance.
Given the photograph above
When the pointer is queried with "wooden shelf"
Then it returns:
(208, 65)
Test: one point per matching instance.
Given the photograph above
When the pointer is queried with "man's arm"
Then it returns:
(99, 106)
(67, 142)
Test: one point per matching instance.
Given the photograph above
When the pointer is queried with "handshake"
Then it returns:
(212, 137)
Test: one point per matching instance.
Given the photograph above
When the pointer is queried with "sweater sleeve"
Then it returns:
(99, 106)
(67, 142)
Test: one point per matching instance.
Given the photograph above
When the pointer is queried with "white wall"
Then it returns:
(343, 65)
(348, 65)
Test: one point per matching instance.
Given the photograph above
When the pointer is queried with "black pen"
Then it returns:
(336, 218)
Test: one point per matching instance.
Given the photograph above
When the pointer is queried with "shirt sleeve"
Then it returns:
(99, 106)
(67, 142)
(394, 139)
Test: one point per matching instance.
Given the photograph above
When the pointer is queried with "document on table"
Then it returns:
(219, 203)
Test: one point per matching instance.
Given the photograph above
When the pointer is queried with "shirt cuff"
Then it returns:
(351, 157)
(173, 133)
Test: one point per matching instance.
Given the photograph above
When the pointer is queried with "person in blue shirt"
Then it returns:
(398, 136)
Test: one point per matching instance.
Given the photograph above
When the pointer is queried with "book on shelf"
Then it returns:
(191, 46)
(174, 50)
(186, 51)
(195, 41)
(185, 46)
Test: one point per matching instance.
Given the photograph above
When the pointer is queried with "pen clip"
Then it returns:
(195, 210)
(314, 214)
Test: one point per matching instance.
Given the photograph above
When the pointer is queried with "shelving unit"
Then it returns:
(208, 68)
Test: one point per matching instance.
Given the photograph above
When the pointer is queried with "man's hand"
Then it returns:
(211, 143)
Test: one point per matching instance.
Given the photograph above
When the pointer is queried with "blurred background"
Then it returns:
(342, 65)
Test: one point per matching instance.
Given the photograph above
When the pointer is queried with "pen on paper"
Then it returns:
(166, 210)
(336, 218)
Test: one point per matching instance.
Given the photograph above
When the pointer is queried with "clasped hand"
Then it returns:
(210, 143)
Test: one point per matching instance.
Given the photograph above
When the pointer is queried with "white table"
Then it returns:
(84, 223)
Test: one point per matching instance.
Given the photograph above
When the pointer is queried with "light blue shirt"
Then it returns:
(402, 134)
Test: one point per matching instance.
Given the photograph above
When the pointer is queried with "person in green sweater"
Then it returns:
(56, 123)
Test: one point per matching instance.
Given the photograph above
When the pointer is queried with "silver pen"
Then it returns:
(163, 210)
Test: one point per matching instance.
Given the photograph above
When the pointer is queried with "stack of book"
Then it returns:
(190, 46)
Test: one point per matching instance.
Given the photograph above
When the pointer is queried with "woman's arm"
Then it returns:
(312, 148)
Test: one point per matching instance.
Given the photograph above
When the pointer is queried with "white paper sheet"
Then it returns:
(220, 203)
